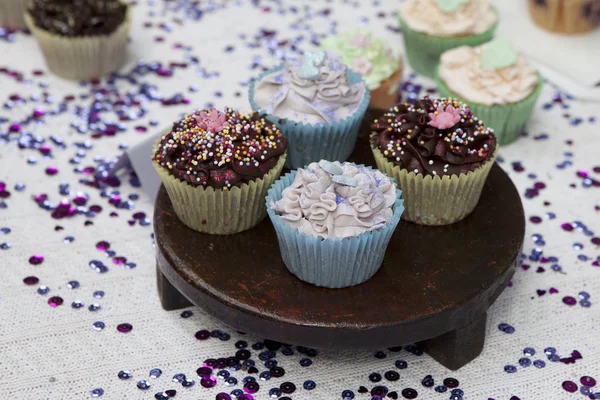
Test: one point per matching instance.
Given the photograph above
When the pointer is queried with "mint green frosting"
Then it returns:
(498, 54)
(449, 6)
(367, 56)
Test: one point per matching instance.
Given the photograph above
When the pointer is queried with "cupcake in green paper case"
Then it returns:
(499, 85)
(82, 39)
(431, 27)
(217, 168)
(334, 221)
(317, 102)
(12, 13)
(439, 154)
(380, 66)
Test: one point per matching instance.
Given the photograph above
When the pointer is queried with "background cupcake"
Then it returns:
(566, 16)
(380, 67)
(334, 221)
(439, 154)
(12, 13)
(498, 84)
(317, 102)
(81, 39)
(217, 168)
(431, 27)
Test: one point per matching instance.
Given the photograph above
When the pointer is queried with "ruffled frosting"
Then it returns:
(367, 56)
(318, 206)
(461, 71)
(327, 99)
(473, 18)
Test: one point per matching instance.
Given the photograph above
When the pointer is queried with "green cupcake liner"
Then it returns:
(436, 200)
(12, 13)
(508, 121)
(423, 51)
(219, 211)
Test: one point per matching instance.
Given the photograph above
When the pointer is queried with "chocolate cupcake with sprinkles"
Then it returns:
(217, 168)
(438, 153)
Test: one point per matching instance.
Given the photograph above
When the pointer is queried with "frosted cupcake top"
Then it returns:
(337, 200)
(489, 74)
(312, 90)
(433, 137)
(367, 56)
(78, 18)
(220, 149)
(448, 18)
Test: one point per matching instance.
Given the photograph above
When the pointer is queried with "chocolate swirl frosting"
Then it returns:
(78, 17)
(220, 150)
(433, 137)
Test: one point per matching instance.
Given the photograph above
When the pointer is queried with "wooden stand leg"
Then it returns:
(170, 297)
(457, 348)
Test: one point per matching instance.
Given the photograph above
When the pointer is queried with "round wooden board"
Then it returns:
(434, 287)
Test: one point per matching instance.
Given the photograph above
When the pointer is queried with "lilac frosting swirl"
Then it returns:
(318, 205)
(328, 97)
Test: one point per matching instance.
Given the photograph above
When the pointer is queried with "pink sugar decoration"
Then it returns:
(362, 66)
(445, 119)
(360, 40)
(211, 121)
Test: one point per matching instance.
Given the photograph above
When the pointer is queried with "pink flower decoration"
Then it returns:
(362, 41)
(445, 119)
(389, 53)
(212, 121)
(362, 66)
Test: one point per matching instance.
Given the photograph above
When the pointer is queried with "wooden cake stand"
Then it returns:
(434, 287)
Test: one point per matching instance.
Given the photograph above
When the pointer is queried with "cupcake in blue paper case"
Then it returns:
(317, 102)
(430, 27)
(334, 221)
(497, 83)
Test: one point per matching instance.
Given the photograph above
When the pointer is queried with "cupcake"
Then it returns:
(11, 13)
(566, 16)
(334, 221)
(431, 27)
(439, 154)
(375, 61)
(498, 84)
(80, 39)
(317, 102)
(217, 168)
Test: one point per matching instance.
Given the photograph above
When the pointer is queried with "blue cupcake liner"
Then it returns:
(311, 143)
(330, 263)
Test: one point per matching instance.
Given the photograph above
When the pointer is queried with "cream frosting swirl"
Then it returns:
(461, 71)
(317, 205)
(328, 98)
(425, 16)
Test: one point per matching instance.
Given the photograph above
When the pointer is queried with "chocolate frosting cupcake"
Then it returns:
(75, 18)
(433, 137)
(217, 149)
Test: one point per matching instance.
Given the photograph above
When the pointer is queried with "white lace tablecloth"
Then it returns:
(54, 353)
